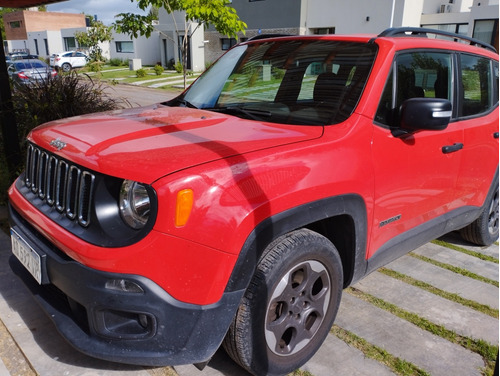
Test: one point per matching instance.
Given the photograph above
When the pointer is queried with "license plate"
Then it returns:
(27, 255)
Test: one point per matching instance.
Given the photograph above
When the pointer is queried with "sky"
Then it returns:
(104, 9)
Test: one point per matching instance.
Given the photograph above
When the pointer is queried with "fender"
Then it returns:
(351, 205)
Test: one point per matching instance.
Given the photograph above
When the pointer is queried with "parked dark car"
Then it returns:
(22, 56)
(29, 71)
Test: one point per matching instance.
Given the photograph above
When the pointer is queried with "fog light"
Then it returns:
(124, 285)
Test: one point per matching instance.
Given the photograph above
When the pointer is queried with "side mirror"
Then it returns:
(425, 114)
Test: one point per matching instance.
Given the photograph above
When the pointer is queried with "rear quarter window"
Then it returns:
(477, 85)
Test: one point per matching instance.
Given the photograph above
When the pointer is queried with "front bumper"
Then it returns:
(143, 325)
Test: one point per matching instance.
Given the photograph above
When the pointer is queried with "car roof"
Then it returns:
(28, 62)
(403, 38)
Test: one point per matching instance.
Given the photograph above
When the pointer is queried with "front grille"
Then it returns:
(60, 184)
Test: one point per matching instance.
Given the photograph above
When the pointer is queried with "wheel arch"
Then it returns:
(341, 219)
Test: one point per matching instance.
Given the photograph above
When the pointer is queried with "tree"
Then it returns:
(96, 34)
(206, 12)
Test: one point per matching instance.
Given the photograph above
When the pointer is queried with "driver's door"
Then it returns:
(415, 174)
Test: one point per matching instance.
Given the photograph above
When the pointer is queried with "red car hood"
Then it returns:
(147, 143)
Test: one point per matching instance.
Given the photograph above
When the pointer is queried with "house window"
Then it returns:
(15, 24)
(124, 46)
(486, 31)
(69, 43)
(227, 43)
(451, 28)
(46, 43)
(324, 30)
(36, 47)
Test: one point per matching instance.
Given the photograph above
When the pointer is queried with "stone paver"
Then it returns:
(446, 280)
(3, 369)
(456, 239)
(404, 340)
(335, 357)
(453, 316)
(448, 256)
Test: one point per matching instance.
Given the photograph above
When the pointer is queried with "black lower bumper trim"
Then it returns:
(148, 328)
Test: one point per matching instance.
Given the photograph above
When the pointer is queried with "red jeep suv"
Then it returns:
(236, 213)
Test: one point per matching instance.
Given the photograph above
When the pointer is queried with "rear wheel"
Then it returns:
(484, 230)
(289, 306)
(66, 67)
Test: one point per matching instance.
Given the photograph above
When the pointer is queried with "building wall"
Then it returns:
(362, 16)
(172, 27)
(445, 6)
(213, 40)
(146, 49)
(269, 14)
(39, 21)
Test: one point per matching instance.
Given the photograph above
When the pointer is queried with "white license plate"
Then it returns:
(27, 255)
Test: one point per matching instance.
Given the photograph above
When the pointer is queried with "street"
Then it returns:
(135, 96)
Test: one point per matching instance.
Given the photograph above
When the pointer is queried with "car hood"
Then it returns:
(147, 143)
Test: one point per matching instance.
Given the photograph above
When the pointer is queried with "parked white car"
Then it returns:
(68, 60)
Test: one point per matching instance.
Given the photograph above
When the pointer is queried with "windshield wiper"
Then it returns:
(252, 113)
(181, 102)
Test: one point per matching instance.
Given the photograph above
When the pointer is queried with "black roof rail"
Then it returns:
(422, 32)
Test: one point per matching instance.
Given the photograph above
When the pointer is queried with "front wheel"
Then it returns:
(289, 306)
(66, 67)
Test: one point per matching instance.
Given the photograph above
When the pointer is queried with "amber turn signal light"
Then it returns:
(183, 206)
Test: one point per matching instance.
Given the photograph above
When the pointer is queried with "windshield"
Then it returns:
(305, 81)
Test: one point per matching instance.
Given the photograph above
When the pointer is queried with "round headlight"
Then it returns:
(135, 204)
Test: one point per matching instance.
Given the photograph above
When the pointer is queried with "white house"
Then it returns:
(172, 28)
(124, 47)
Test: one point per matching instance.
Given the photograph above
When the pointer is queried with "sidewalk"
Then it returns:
(41, 351)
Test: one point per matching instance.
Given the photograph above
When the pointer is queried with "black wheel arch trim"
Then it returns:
(351, 205)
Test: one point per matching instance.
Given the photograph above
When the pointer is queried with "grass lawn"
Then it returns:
(167, 80)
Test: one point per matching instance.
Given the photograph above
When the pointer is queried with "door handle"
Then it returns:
(452, 148)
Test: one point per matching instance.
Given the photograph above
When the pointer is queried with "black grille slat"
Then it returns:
(61, 181)
(60, 184)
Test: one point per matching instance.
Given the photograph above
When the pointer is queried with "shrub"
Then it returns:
(178, 67)
(116, 62)
(141, 72)
(158, 69)
(59, 97)
(95, 66)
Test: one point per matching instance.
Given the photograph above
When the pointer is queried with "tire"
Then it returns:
(66, 67)
(484, 230)
(289, 307)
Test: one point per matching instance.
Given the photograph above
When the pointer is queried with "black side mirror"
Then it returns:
(425, 114)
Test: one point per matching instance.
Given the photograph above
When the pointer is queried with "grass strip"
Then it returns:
(300, 372)
(483, 308)
(455, 269)
(479, 255)
(484, 349)
(397, 365)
